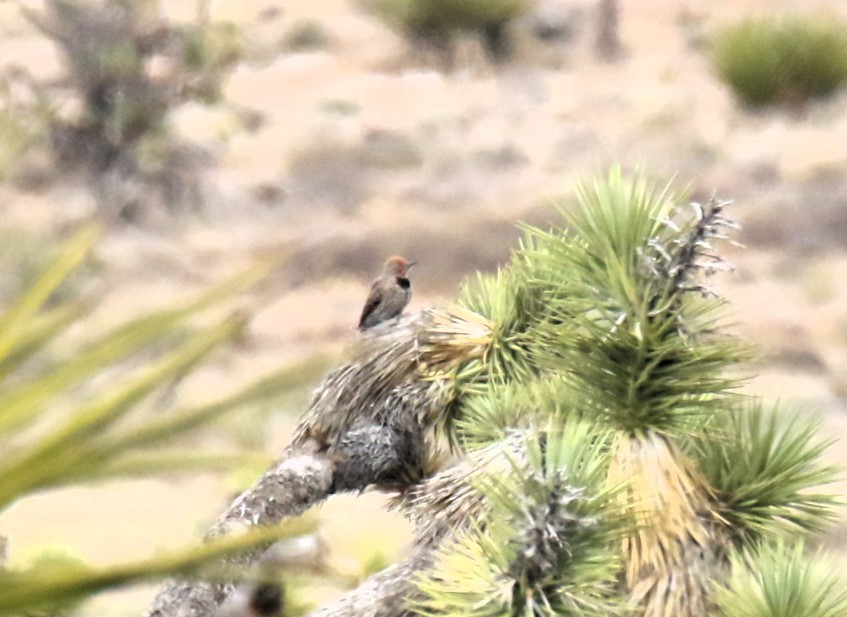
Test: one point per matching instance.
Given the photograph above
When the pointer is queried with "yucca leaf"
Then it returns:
(781, 580)
(510, 304)
(38, 332)
(179, 422)
(19, 405)
(166, 463)
(56, 586)
(765, 467)
(48, 461)
(13, 319)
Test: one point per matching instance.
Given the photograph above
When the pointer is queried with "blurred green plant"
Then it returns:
(24, 113)
(53, 585)
(781, 580)
(782, 60)
(305, 35)
(437, 23)
(129, 69)
(209, 50)
(53, 436)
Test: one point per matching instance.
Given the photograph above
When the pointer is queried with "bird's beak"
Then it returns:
(409, 265)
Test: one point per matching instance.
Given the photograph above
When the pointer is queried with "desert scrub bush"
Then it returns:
(208, 51)
(63, 425)
(305, 35)
(126, 70)
(24, 113)
(437, 23)
(785, 60)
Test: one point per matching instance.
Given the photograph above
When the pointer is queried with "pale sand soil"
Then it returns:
(371, 152)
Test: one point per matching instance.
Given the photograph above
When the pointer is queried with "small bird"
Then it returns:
(389, 294)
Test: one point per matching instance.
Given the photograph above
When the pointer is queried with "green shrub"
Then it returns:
(24, 114)
(209, 50)
(437, 22)
(305, 35)
(782, 60)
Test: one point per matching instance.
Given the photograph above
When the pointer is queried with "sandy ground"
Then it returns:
(365, 150)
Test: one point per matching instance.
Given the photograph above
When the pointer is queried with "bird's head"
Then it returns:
(397, 266)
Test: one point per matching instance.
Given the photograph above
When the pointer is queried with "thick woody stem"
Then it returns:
(385, 594)
(298, 481)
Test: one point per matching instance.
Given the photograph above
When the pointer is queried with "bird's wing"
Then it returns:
(374, 298)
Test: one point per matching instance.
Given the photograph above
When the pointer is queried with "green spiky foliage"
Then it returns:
(509, 301)
(492, 413)
(627, 312)
(606, 321)
(543, 548)
(61, 426)
(777, 487)
(781, 580)
(612, 302)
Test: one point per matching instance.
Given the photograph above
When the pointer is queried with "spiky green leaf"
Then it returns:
(546, 547)
(765, 466)
(13, 320)
(52, 586)
(626, 317)
(781, 580)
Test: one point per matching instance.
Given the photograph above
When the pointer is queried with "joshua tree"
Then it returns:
(607, 464)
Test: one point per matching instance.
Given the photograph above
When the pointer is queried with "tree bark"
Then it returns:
(299, 480)
(385, 594)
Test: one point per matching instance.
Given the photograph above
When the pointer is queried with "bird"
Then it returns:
(389, 294)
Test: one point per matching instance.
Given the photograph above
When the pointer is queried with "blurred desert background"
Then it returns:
(336, 144)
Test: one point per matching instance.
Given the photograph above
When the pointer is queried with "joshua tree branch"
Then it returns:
(441, 507)
(385, 594)
(370, 423)
(296, 482)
